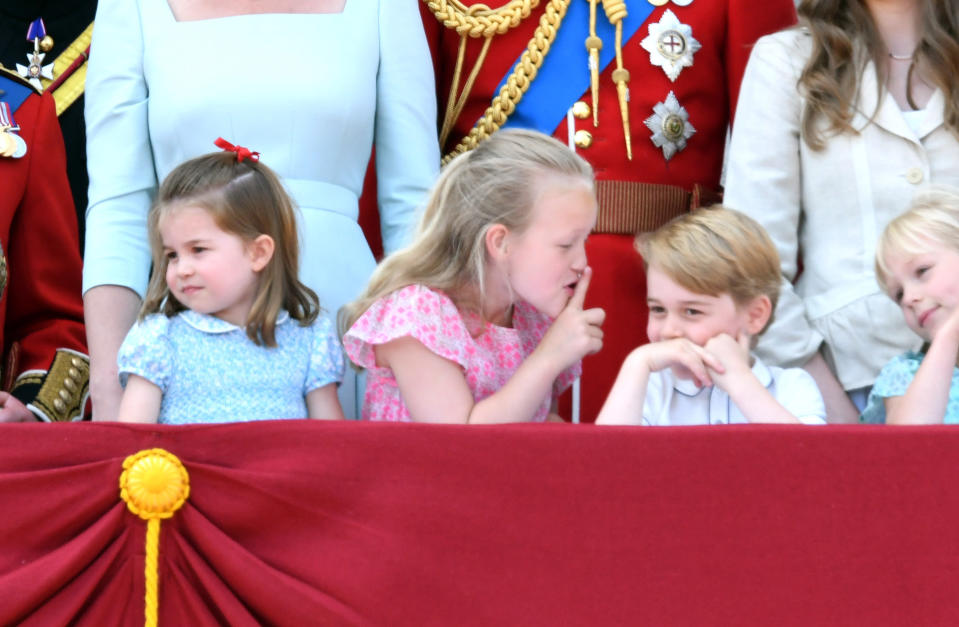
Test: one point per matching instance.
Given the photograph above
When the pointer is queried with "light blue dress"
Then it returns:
(210, 371)
(894, 380)
(310, 92)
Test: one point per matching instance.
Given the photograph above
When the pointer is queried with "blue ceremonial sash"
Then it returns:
(564, 75)
(13, 92)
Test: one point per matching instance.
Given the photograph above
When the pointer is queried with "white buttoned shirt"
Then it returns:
(830, 205)
(673, 401)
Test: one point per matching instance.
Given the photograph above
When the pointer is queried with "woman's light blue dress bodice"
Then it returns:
(310, 92)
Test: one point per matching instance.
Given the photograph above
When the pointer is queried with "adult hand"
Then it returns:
(109, 311)
(12, 410)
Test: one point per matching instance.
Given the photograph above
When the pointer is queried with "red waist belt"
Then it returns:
(630, 207)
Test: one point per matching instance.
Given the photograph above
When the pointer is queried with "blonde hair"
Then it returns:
(845, 39)
(715, 251)
(933, 216)
(247, 200)
(496, 183)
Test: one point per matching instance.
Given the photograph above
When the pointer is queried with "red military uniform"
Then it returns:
(716, 37)
(44, 361)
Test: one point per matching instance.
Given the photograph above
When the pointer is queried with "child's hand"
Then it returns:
(575, 333)
(685, 358)
(12, 410)
(624, 405)
(949, 331)
(732, 353)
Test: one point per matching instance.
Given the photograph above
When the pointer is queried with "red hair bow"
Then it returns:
(241, 152)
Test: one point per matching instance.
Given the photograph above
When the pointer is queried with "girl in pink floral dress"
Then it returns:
(481, 319)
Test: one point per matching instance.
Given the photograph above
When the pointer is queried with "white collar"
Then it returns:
(211, 324)
(885, 113)
(687, 387)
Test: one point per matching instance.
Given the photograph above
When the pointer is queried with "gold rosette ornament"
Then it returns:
(154, 484)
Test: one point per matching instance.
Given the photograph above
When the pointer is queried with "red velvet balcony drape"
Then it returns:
(302, 523)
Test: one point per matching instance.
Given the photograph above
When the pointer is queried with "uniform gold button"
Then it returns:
(65, 395)
(70, 384)
(73, 373)
(59, 405)
(581, 110)
(914, 175)
(583, 139)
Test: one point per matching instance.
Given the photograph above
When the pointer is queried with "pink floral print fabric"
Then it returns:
(489, 356)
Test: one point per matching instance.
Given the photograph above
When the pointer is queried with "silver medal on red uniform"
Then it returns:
(670, 45)
(670, 126)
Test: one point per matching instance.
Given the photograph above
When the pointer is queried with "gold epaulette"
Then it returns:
(480, 20)
(70, 70)
(60, 393)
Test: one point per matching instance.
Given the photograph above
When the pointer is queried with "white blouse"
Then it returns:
(830, 207)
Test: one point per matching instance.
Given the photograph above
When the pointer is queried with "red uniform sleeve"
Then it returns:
(43, 304)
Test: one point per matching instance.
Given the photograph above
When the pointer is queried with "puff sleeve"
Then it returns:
(327, 363)
(893, 380)
(415, 311)
(147, 352)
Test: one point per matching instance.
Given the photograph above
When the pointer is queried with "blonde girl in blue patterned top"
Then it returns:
(917, 263)
(227, 332)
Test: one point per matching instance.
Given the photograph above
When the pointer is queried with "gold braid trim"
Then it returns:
(71, 88)
(518, 82)
(474, 21)
(480, 20)
(58, 394)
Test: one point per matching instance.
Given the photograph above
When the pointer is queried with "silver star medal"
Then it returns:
(36, 70)
(670, 45)
(670, 126)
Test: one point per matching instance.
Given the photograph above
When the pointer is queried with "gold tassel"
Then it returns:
(616, 12)
(154, 485)
(594, 44)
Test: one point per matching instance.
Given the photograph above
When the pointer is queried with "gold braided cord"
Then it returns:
(154, 484)
(519, 81)
(479, 20)
(616, 13)
(454, 105)
(593, 45)
(615, 10)
(152, 573)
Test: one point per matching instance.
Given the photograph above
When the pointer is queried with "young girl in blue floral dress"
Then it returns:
(227, 332)
(917, 264)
